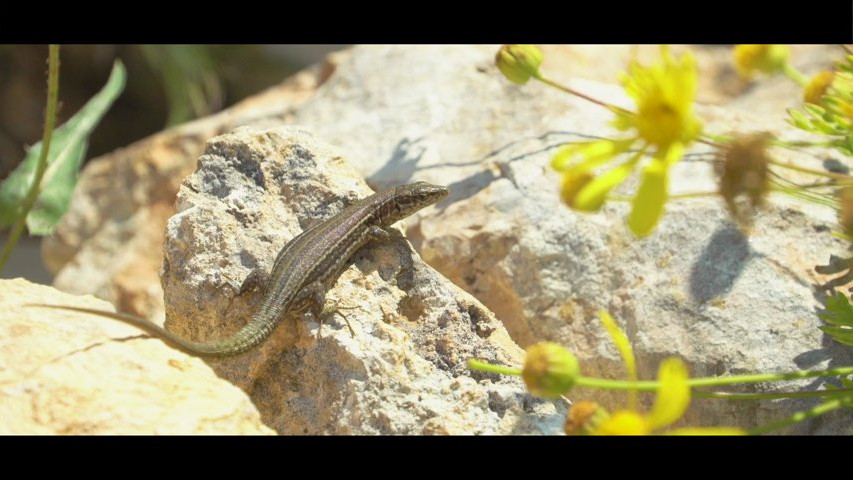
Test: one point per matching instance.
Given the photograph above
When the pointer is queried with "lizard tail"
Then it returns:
(212, 349)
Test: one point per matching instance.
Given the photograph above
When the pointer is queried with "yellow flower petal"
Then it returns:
(624, 345)
(707, 431)
(591, 196)
(673, 397)
(572, 184)
(594, 154)
(648, 203)
(664, 94)
(624, 422)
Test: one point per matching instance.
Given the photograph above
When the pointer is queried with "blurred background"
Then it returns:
(166, 85)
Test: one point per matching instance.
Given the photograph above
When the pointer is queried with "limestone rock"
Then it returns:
(69, 373)
(696, 288)
(404, 370)
(725, 302)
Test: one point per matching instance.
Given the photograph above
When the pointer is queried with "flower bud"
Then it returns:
(760, 58)
(585, 418)
(519, 62)
(549, 370)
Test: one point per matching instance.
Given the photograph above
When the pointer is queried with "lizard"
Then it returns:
(303, 269)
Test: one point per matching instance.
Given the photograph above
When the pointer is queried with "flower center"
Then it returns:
(659, 122)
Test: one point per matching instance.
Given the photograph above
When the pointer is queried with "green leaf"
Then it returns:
(67, 150)
(843, 335)
(814, 110)
(800, 120)
(838, 311)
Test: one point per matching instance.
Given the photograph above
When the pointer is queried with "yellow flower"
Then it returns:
(665, 125)
(664, 94)
(549, 370)
(750, 59)
(519, 62)
(670, 404)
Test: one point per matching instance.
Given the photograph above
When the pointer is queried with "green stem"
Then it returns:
(717, 139)
(649, 385)
(49, 121)
(679, 196)
(819, 173)
(584, 96)
(795, 75)
(771, 396)
(474, 364)
(801, 143)
(797, 192)
(821, 409)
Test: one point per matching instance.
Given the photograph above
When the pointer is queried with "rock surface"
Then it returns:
(697, 288)
(69, 373)
(404, 370)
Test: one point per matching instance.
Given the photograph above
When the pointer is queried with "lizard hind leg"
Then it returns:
(330, 312)
(316, 295)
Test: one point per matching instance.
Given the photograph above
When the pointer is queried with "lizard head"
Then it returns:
(412, 197)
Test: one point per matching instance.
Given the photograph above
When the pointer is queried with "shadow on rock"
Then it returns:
(719, 265)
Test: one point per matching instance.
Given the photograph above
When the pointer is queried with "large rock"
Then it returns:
(697, 288)
(70, 373)
(404, 370)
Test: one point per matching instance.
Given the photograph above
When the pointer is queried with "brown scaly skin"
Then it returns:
(304, 268)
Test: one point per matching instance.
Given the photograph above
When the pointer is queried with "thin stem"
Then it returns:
(680, 196)
(708, 141)
(41, 167)
(795, 74)
(648, 385)
(819, 173)
(584, 96)
(767, 377)
(475, 364)
(797, 192)
(801, 143)
(821, 409)
(771, 396)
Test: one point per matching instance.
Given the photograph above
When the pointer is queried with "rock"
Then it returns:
(724, 302)
(70, 373)
(696, 288)
(404, 370)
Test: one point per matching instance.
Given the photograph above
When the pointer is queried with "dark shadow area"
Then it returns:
(836, 166)
(720, 264)
(403, 162)
(837, 265)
